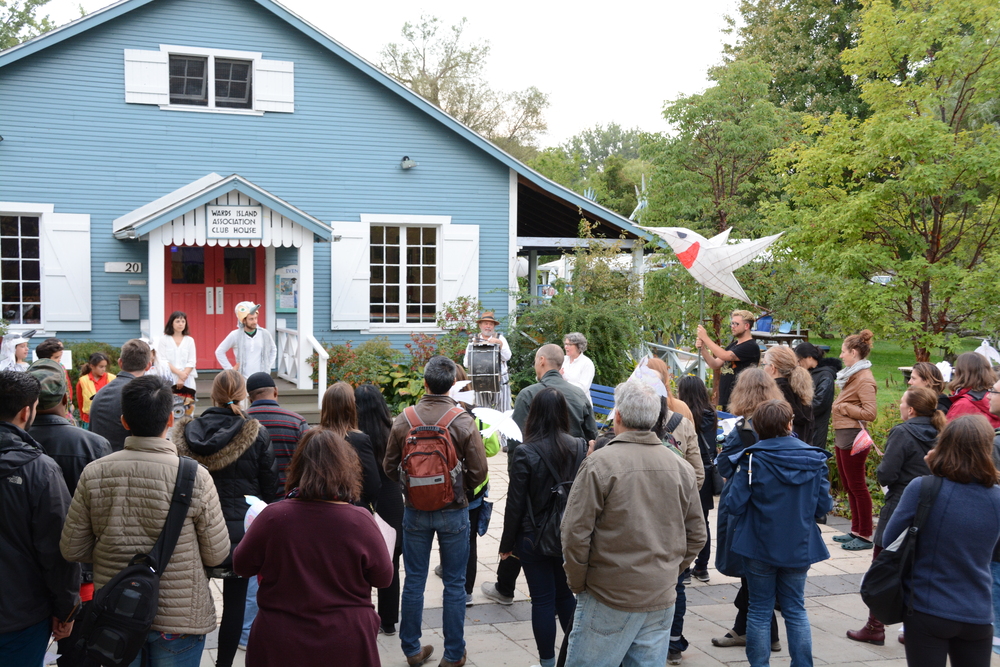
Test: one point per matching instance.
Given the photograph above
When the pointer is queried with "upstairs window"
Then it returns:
(190, 82)
(232, 83)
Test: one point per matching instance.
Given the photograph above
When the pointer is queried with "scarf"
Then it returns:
(845, 373)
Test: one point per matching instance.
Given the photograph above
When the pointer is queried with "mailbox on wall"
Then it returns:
(128, 307)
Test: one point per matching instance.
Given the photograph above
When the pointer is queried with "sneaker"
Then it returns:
(701, 575)
(241, 647)
(468, 599)
(489, 589)
(730, 639)
(674, 658)
(388, 629)
(438, 571)
(687, 578)
(776, 645)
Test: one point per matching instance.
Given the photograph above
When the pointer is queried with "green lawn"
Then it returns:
(886, 359)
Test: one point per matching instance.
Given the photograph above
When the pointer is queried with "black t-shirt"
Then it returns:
(749, 355)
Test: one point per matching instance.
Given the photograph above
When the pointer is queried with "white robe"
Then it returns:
(254, 354)
(180, 356)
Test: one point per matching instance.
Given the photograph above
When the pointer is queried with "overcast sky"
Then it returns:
(600, 62)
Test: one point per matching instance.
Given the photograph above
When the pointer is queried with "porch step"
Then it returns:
(290, 397)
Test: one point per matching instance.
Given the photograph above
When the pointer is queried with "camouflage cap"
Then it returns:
(52, 377)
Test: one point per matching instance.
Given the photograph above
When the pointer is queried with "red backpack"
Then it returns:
(430, 471)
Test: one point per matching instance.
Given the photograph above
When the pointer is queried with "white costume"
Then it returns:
(579, 372)
(179, 356)
(8, 359)
(505, 353)
(254, 353)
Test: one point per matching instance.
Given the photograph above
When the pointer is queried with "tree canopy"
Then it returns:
(448, 72)
(19, 22)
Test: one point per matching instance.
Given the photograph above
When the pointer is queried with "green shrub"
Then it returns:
(401, 386)
(357, 365)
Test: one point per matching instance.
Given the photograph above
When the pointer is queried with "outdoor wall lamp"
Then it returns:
(407, 163)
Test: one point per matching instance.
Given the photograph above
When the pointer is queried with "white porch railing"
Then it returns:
(288, 358)
(322, 356)
(288, 354)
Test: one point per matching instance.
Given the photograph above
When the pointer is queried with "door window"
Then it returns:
(187, 266)
(239, 266)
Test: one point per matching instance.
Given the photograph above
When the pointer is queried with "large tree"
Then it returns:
(18, 21)
(446, 71)
(903, 208)
(801, 41)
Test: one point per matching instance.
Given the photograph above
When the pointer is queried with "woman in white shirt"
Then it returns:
(176, 348)
(577, 368)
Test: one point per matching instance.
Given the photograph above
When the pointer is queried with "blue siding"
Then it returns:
(71, 140)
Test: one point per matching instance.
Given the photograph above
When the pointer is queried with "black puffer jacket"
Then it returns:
(37, 581)
(239, 455)
(903, 462)
(529, 476)
(803, 422)
(824, 377)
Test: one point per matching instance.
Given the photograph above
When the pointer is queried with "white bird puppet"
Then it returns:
(498, 421)
(712, 261)
(459, 396)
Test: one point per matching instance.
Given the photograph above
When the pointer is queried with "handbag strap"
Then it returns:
(577, 461)
(187, 469)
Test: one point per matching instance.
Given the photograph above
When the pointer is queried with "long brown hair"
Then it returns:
(964, 452)
(228, 389)
(324, 467)
(923, 400)
(931, 375)
(339, 412)
(753, 387)
(973, 372)
(787, 364)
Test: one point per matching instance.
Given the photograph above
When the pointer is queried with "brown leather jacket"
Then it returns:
(856, 401)
(464, 435)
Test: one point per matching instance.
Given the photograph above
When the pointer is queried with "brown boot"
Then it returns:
(872, 633)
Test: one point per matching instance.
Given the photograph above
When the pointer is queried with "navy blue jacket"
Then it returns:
(951, 572)
(779, 488)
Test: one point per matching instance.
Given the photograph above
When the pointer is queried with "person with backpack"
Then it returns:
(541, 474)
(632, 522)
(120, 508)
(779, 476)
(437, 455)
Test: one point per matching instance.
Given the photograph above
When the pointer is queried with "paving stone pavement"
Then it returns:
(498, 635)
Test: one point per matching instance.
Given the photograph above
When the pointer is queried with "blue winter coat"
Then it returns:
(779, 488)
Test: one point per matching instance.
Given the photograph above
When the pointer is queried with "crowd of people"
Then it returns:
(608, 524)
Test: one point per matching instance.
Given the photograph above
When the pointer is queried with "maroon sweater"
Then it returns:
(317, 563)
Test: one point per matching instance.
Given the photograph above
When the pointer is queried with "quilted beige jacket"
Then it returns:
(119, 509)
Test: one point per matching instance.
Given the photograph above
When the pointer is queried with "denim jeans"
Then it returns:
(250, 611)
(452, 528)
(995, 571)
(765, 583)
(184, 651)
(550, 595)
(27, 646)
(606, 637)
(677, 641)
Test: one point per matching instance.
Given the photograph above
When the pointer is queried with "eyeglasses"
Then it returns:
(992, 391)
(735, 324)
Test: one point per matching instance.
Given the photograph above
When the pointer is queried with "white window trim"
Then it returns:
(393, 220)
(212, 54)
(30, 208)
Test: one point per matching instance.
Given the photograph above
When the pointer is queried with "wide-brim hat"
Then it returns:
(487, 317)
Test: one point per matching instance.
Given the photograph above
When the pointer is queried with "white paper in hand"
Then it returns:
(388, 534)
(256, 507)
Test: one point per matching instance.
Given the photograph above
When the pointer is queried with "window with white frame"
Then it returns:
(403, 286)
(20, 269)
(187, 78)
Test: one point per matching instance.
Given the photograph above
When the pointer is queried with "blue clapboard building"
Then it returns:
(162, 155)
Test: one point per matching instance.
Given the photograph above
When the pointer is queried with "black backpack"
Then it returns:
(882, 586)
(548, 532)
(117, 622)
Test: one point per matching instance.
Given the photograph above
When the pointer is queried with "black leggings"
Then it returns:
(742, 604)
(234, 600)
(930, 640)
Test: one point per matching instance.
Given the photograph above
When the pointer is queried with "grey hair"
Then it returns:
(578, 339)
(439, 374)
(638, 404)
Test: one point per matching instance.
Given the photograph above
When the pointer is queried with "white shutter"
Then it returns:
(66, 272)
(459, 262)
(147, 77)
(274, 85)
(349, 276)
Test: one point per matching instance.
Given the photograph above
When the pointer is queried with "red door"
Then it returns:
(207, 282)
